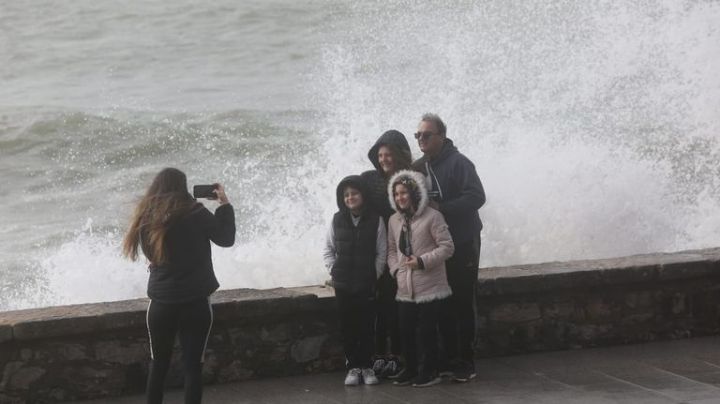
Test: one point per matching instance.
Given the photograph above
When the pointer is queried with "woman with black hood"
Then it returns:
(390, 154)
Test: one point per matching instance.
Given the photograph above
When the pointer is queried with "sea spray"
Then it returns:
(593, 126)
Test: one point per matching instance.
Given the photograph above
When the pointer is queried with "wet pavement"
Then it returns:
(685, 371)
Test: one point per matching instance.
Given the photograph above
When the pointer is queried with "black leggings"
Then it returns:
(191, 322)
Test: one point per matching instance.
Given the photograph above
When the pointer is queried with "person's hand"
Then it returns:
(220, 194)
(412, 262)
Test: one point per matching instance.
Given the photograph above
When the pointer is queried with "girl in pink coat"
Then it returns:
(418, 245)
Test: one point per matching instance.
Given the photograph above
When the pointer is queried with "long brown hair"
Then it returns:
(401, 157)
(166, 200)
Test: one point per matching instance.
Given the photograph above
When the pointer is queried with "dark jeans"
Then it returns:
(419, 322)
(386, 323)
(192, 322)
(457, 319)
(357, 315)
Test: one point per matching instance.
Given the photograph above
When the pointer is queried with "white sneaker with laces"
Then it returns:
(369, 377)
(353, 377)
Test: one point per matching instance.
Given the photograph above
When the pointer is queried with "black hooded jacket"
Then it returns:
(188, 275)
(455, 185)
(375, 179)
(354, 268)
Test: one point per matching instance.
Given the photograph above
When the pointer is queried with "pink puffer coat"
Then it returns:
(430, 241)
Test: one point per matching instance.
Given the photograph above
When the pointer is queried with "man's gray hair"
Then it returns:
(434, 118)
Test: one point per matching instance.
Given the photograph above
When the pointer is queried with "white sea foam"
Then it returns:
(90, 268)
(593, 126)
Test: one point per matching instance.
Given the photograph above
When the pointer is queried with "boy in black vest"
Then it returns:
(355, 254)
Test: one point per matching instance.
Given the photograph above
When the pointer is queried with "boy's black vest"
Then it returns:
(355, 246)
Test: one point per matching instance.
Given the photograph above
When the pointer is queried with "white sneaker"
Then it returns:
(353, 377)
(369, 377)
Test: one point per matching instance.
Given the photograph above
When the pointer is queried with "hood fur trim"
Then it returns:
(416, 177)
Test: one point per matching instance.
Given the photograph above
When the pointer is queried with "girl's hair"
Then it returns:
(412, 188)
(166, 200)
(401, 157)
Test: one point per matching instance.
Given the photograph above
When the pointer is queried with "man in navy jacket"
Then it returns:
(456, 191)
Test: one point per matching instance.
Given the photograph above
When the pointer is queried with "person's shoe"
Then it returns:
(378, 366)
(449, 367)
(426, 380)
(446, 373)
(368, 376)
(398, 372)
(465, 373)
(404, 378)
(391, 369)
(353, 377)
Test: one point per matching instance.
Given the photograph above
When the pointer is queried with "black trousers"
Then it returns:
(419, 325)
(457, 319)
(387, 324)
(357, 317)
(191, 322)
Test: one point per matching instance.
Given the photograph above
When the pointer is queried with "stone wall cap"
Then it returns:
(98, 317)
(599, 272)
(253, 303)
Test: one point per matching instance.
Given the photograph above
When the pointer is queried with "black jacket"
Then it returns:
(354, 268)
(188, 275)
(376, 180)
(455, 185)
(355, 246)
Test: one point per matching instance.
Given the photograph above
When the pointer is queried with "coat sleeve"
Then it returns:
(392, 251)
(441, 236)
(221, 228)
(472, 193)
(329, 252)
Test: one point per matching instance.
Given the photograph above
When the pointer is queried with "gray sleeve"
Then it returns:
(329, 253)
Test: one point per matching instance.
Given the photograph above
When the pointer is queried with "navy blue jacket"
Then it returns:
(455, 185)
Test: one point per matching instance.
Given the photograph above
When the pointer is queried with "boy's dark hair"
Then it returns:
(353, 181)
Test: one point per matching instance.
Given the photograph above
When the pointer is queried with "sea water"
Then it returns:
(594, 126)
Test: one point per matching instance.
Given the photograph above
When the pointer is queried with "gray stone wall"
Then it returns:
(95, 350)
(601, 302)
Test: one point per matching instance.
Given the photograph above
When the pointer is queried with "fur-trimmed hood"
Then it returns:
(414, 177)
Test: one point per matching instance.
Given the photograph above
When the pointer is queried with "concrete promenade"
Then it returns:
(684, 371)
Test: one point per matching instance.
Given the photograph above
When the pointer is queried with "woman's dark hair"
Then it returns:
(166, 200)
(401, 157)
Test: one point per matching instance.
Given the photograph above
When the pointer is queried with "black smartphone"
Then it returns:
(204, 191)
